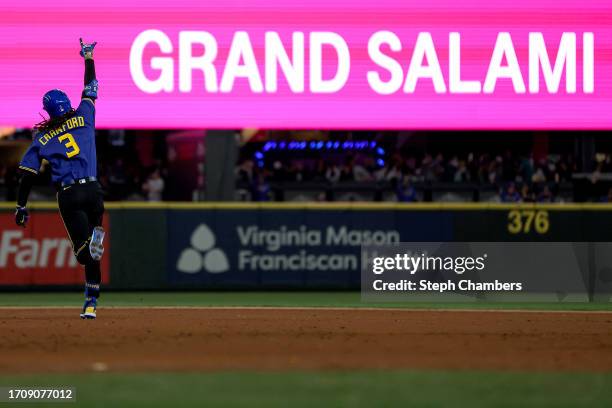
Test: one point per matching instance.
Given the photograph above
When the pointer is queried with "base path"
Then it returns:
(190, 339)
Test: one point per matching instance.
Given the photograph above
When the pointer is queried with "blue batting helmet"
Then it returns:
(56, 103)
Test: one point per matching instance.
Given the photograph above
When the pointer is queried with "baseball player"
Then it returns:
(67, 141)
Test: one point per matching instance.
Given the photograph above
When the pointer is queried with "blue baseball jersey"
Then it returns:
(70, 148)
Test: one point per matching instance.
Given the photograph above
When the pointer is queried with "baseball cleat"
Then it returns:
(95, 246)
(89, 308)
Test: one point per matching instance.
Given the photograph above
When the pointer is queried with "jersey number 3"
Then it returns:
(72, 148)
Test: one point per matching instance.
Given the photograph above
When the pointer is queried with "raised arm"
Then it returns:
(90, 91)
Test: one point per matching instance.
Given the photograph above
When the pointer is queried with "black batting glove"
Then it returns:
(21, 216)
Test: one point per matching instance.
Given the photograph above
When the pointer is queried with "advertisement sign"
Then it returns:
(41, 254)
(283, 248)
(439, 64)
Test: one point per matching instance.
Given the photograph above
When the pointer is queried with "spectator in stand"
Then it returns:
(472, 166)
(540, 174)
(451, 169)
(411, 167)
(261, 188)
(510, 194)
(321, 197)
(526, 169)
(154, 186)
(483, 169)
(567, 167)
(390, 173)
(245, 171)
(406, 193)
(438, 168)
(297, 172)
(601, 163)
(361, 171)
(427, 168)
(597, 173)
(494, 172)
(332, 173)
(279, 172)
(551, 171)
(320, 169)
(462, 174)
(346, 172)
(527, 195)
(546, 195)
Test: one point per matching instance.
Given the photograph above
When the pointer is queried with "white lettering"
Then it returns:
(164, 64)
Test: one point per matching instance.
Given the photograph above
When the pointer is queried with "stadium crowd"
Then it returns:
(151, 167)
(516, 178)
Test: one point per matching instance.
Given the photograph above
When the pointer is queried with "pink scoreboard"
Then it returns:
(398, 64)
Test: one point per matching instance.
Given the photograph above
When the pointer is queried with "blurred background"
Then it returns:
(327, 166)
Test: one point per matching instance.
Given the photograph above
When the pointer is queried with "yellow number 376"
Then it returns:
(72, 148)
(521, 222)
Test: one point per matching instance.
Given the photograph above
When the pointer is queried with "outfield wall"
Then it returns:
(272, 245)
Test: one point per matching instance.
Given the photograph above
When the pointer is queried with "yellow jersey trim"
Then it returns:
(28, 169)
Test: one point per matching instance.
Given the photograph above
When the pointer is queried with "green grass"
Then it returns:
(272, 299)
(369, 388)
(335, 389)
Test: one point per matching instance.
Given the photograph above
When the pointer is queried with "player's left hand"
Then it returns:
(21, 216)
(87, 49)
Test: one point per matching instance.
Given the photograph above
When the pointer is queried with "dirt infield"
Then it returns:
(56, 340)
